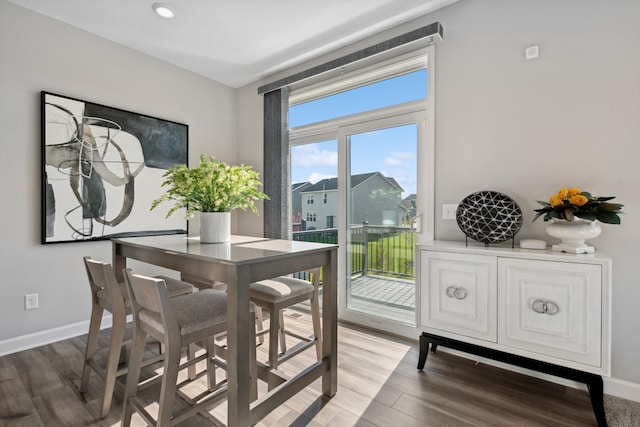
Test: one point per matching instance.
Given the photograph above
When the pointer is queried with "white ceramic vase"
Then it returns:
(572, 235)
(215, 227)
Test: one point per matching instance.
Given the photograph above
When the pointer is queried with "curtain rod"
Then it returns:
(430, 30)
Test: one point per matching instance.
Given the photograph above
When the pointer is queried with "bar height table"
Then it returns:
(242, 261)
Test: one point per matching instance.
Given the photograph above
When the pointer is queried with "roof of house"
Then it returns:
(298, 186)
(409, 202)
(332, 183)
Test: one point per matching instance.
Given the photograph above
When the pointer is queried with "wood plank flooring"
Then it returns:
(379, 385)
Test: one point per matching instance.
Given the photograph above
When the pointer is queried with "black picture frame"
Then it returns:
(101, 168)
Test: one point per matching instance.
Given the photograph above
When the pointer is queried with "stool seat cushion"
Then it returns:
(194, 312)
(280, 288)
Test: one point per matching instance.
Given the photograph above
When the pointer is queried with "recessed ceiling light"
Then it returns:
(163, 10)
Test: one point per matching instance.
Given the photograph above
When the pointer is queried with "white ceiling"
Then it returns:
(235, 42)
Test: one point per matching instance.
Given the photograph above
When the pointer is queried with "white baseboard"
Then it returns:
(622, 388)
(612, 386)
(25, 342)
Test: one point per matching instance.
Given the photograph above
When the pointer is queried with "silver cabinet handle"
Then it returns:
(545, 307)
(456, 292)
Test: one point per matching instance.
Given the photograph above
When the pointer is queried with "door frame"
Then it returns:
(424, 208)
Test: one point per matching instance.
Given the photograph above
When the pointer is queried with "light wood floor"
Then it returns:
(379, 385)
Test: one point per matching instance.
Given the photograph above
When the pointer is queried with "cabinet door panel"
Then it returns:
(551, 308)
(459, 294)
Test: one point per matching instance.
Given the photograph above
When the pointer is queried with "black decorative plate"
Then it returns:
(489, 217)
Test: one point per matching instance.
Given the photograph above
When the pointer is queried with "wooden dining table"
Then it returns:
(242, 261)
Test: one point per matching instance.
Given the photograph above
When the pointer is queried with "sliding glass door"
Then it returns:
(381, 203)
(383, 185)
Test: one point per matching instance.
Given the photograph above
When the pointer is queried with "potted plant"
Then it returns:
(570, 203)
(573, 213)
(214, 189)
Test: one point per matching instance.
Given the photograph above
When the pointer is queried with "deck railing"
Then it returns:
(383, 250)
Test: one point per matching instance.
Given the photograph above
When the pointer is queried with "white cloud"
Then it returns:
(317, 176)
(392, 161)
(397, 158)
(310, 155)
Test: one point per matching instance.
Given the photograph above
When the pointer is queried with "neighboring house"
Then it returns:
(296, 201)
(375, 199)
(407, 209)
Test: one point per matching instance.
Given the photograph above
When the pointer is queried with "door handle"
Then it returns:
(545, 307)
(456, 292)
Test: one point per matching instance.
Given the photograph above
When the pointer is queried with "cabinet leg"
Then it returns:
(424, 350)
(595, 393)
(434, 346)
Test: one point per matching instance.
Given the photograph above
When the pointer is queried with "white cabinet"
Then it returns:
(551, 308)
(544, 305)
(459, 293)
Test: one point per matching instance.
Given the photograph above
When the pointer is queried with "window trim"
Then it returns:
(394, 67)
(326, 129)
(329, 130)
(375, 53)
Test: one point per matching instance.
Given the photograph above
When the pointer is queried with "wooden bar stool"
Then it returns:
(277, 294)
(177, 323)
(107, 294)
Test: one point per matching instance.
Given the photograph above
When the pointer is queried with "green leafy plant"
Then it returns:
(570, 203)
(212, 186)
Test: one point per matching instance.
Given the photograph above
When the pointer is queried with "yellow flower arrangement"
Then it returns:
(569, 203)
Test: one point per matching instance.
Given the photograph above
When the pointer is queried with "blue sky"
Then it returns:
(391, 151)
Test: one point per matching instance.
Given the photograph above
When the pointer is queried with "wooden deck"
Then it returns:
(391, 298)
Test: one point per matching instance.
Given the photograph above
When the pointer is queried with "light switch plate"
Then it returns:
(449, 211)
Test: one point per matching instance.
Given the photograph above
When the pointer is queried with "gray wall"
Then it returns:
(527, 128)
(38, 53)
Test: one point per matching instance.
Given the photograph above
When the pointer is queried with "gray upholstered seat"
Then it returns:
(281, 288)
(201, 310)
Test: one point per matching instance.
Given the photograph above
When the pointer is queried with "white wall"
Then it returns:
(527, 128)
(38, 53)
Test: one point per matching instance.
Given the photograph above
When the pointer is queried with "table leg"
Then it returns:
(330, 324)
(239, 322)
(119, 262)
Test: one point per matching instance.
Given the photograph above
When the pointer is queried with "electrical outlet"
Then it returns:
(30, 301)
(449, 211)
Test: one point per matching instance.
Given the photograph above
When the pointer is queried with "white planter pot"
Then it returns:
(215, 227)
(572, 235)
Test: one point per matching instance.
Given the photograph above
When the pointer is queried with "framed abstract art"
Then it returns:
(101, 169)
